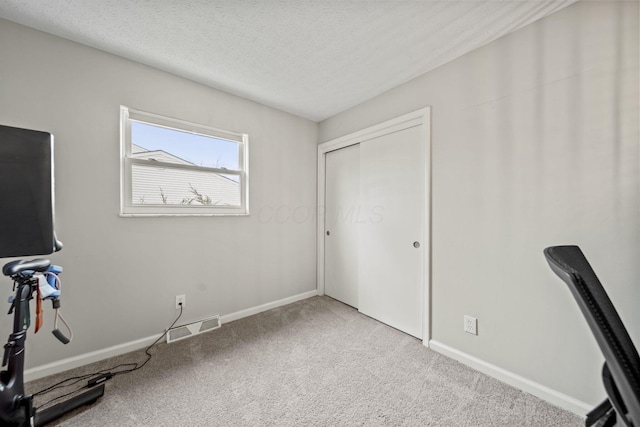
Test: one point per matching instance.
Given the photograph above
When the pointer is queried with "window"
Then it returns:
(173, 167)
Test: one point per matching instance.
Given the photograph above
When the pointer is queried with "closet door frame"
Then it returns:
(422, 118)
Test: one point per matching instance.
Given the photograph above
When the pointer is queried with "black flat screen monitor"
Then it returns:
(26, 192)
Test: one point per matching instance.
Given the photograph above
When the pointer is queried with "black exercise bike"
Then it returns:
(16, 407)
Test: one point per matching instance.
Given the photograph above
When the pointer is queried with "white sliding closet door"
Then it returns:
(390, 250)
(342, 201)
(373, 245)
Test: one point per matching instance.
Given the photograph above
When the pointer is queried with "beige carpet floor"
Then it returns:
(316, 362)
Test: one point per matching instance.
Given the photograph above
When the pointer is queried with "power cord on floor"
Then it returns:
(103, 375)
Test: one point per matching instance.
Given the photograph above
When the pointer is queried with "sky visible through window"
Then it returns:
(200, 150)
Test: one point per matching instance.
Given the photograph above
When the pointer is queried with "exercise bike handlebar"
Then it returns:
(22, 265)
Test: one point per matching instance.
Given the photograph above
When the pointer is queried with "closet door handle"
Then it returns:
(416, 244)
(328, 233)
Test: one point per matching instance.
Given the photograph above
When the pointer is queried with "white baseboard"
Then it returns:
(543, 392)
(84, 359)
(116, 350)
(264, 307)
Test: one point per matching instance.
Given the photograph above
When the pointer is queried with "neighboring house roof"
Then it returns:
(138, 152)
(158, 185)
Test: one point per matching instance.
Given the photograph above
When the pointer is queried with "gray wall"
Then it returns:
(535, 143)
(122, 274)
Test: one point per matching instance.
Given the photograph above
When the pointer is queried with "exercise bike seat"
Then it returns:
(15, 267)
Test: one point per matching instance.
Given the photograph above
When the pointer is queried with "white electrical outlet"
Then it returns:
(181, 300)
(471, 325)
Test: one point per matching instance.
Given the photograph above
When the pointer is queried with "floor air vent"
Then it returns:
(192, 329)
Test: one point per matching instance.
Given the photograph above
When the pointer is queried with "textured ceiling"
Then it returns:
(312, 58)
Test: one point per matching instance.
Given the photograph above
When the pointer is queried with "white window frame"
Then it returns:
(128, 209)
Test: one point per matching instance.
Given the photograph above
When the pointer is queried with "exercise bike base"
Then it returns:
(87, 398)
